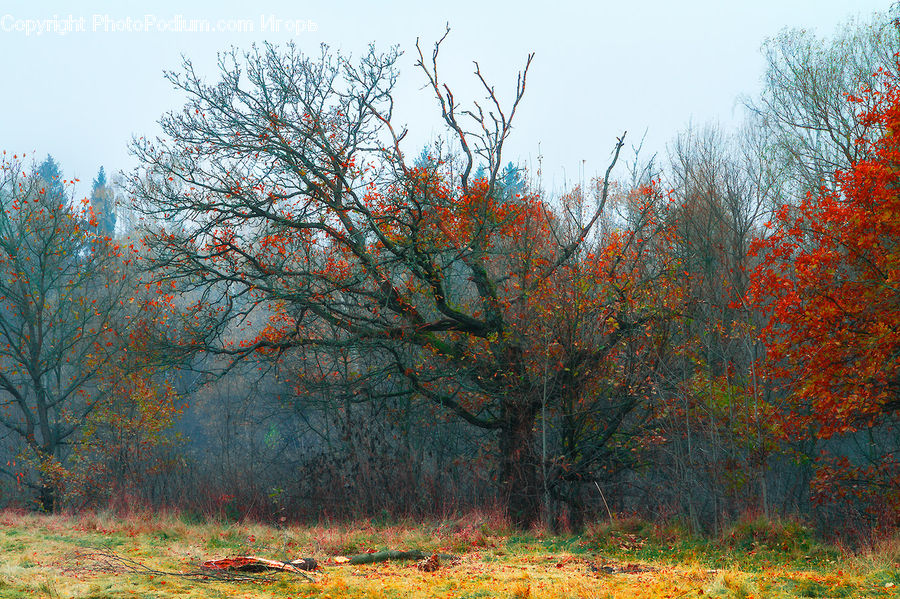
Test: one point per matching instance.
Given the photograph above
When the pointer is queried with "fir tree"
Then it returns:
(103, 204)
(50, 172)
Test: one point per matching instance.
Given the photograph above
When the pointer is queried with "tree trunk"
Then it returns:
(48, 491)
(48, 495)
(518, 464)
(576, 507)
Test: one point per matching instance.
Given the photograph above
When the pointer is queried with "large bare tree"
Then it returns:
(286, 208)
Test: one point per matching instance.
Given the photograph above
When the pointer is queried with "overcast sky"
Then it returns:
(600, 67)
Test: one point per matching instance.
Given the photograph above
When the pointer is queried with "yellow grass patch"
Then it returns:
(102, 556)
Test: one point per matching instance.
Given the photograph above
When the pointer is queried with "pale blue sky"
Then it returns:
(600, 67)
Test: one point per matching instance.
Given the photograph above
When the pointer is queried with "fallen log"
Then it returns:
(222, 570)
(250, 563)
(389, 555)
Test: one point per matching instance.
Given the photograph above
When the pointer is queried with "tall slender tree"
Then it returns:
(52, 179)
(103, 204)
(62, 300)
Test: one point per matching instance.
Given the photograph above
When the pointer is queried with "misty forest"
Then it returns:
(288, 315)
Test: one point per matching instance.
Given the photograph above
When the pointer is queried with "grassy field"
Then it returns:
(103, 556)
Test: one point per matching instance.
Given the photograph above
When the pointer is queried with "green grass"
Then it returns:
(63, 556)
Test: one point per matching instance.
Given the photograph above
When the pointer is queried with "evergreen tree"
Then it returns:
(103, 204)
(512, 181)
(50, 172)
(100, 181)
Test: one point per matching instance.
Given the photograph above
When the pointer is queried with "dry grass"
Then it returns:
(62, 556)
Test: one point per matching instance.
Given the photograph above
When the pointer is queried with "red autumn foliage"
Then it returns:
(829, 274)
